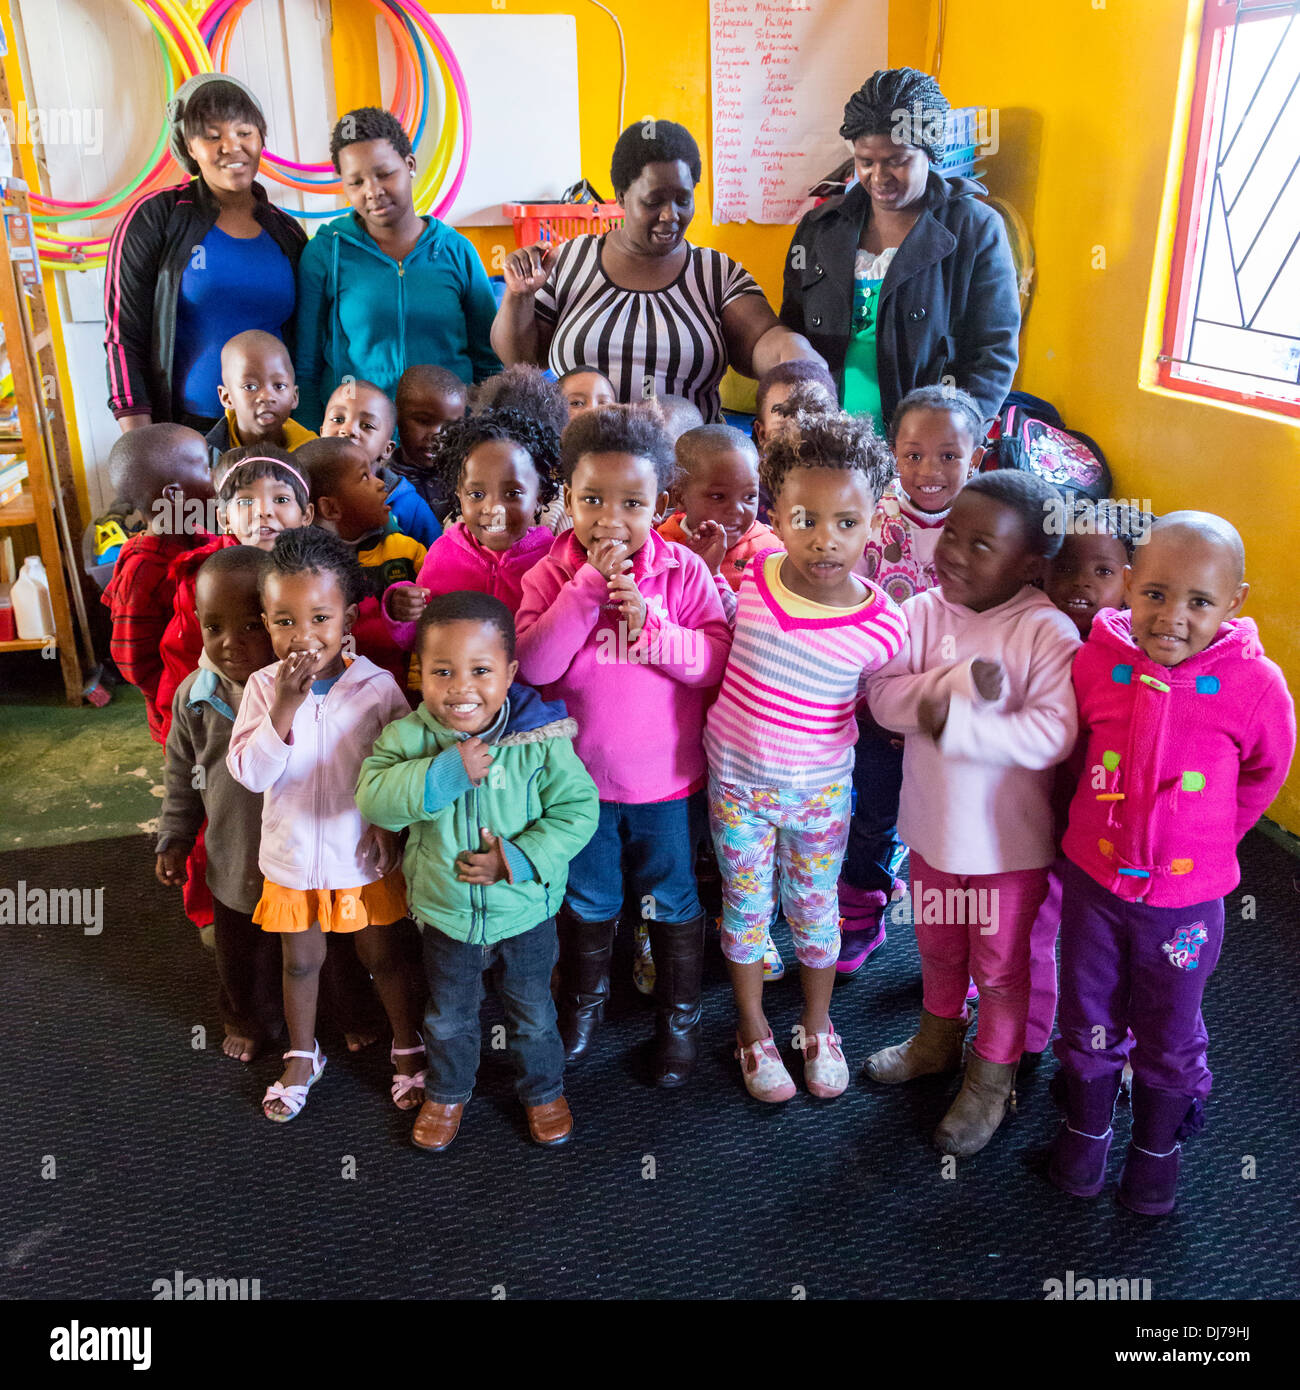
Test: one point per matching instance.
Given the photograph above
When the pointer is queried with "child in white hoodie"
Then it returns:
(303, 729)
(982, 691)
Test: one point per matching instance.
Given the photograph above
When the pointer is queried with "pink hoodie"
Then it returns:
(1180, 761)
(456, 560)
(979, 800)
(640, 709)
(312, 833)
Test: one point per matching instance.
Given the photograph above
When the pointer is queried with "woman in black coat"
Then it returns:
(192, 265)
(906, 279)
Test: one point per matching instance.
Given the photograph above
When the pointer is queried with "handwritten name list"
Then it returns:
(782, 71)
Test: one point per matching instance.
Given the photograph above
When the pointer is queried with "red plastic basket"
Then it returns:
(556, 222)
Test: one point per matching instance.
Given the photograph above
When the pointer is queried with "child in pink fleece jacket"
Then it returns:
(628, 630)
(1188, 732)
(982, 691)
(502, 468)
(303, 729)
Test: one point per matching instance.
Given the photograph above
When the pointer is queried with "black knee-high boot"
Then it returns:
(678, 950)
(586, 949)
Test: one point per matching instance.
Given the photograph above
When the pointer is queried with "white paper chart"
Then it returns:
(781, 73)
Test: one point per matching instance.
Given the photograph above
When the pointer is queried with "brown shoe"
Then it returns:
(987, 1094)
(551, 1123)
(436, 1126)
(933, 1050)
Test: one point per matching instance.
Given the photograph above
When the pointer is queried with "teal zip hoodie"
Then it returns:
(363, 314)
(537, 797)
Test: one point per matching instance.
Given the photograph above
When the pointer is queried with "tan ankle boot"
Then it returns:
(986, 1094)
(934, 1049)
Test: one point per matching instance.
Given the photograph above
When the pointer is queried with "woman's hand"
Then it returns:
(527, 269)
(406, 602)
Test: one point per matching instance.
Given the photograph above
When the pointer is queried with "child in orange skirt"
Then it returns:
(303, 729)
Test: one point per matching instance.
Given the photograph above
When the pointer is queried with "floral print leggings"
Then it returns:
(755, 831)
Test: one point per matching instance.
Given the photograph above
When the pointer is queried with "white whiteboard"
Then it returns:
(521, 72)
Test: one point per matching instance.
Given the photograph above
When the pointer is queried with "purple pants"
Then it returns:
(1128, 966)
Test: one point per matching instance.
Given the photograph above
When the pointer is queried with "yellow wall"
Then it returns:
(1086, 100)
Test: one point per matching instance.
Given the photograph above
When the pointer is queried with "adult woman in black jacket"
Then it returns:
(192, 265)
(906, 279)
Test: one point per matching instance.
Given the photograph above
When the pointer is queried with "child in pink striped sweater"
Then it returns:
(780, 737)
(982, 692)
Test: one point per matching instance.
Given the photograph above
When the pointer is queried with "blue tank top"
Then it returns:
(234, 285)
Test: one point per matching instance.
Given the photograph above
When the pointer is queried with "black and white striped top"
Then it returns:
(647, 342)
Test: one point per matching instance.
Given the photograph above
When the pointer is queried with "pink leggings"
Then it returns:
(1042, 967)
(978, 927)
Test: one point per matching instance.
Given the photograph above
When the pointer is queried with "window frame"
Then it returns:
(1218, 20)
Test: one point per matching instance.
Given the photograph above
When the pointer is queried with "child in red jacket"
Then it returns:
(162, 471)
(1188, 732)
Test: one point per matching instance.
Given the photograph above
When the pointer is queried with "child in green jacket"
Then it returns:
(484, 775)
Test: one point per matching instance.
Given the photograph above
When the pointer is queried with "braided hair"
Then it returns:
(902, 103)
(456, 441)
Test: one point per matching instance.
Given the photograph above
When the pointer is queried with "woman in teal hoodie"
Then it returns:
(381, 288)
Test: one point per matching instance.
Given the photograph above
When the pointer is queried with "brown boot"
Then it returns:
(933, 1050)
(551, 1123)
(986, 1094)
(436, 1126)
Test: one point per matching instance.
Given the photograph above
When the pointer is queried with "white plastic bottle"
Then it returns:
(33, 611)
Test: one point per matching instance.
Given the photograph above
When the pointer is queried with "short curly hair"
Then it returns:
(312, 550)
(826, 439)
(454, 443)
(652, 141)
(620, 429)
(526, 389)
(467, 606)
(889, 102)
(368, 123)
(945, 398)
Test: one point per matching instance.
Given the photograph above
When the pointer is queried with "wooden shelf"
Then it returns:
(24, 644)
(20, 512)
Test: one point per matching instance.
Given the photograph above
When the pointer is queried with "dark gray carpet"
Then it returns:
(162, 1161)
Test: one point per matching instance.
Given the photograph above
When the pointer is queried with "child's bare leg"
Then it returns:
(747, 986)
(380, 951)
(304, 954)
(817, 985)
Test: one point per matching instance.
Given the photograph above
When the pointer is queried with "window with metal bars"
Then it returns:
(1232, 321)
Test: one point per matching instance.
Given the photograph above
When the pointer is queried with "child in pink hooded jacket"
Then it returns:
(502, 468)
(304, 727)
(1188, 731)
(628, 630)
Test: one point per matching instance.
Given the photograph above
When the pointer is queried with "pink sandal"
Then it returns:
(765, 1075)
(403, 1084)
(295, 1097)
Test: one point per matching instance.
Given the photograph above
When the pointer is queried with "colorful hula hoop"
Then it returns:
(188, 47)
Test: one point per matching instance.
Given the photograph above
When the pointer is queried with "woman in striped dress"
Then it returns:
(656, 315)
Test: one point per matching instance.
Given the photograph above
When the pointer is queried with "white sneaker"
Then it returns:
(765, 1075)
(825, 1072)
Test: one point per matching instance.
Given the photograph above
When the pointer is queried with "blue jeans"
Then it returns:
(656, 842)
(874, 852)
(521, 970)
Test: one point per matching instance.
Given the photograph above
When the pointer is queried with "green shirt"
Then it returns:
(861, 394)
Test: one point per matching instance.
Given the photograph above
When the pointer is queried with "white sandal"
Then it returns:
(403, 1084)
(295, 1097)
(825, 1072)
